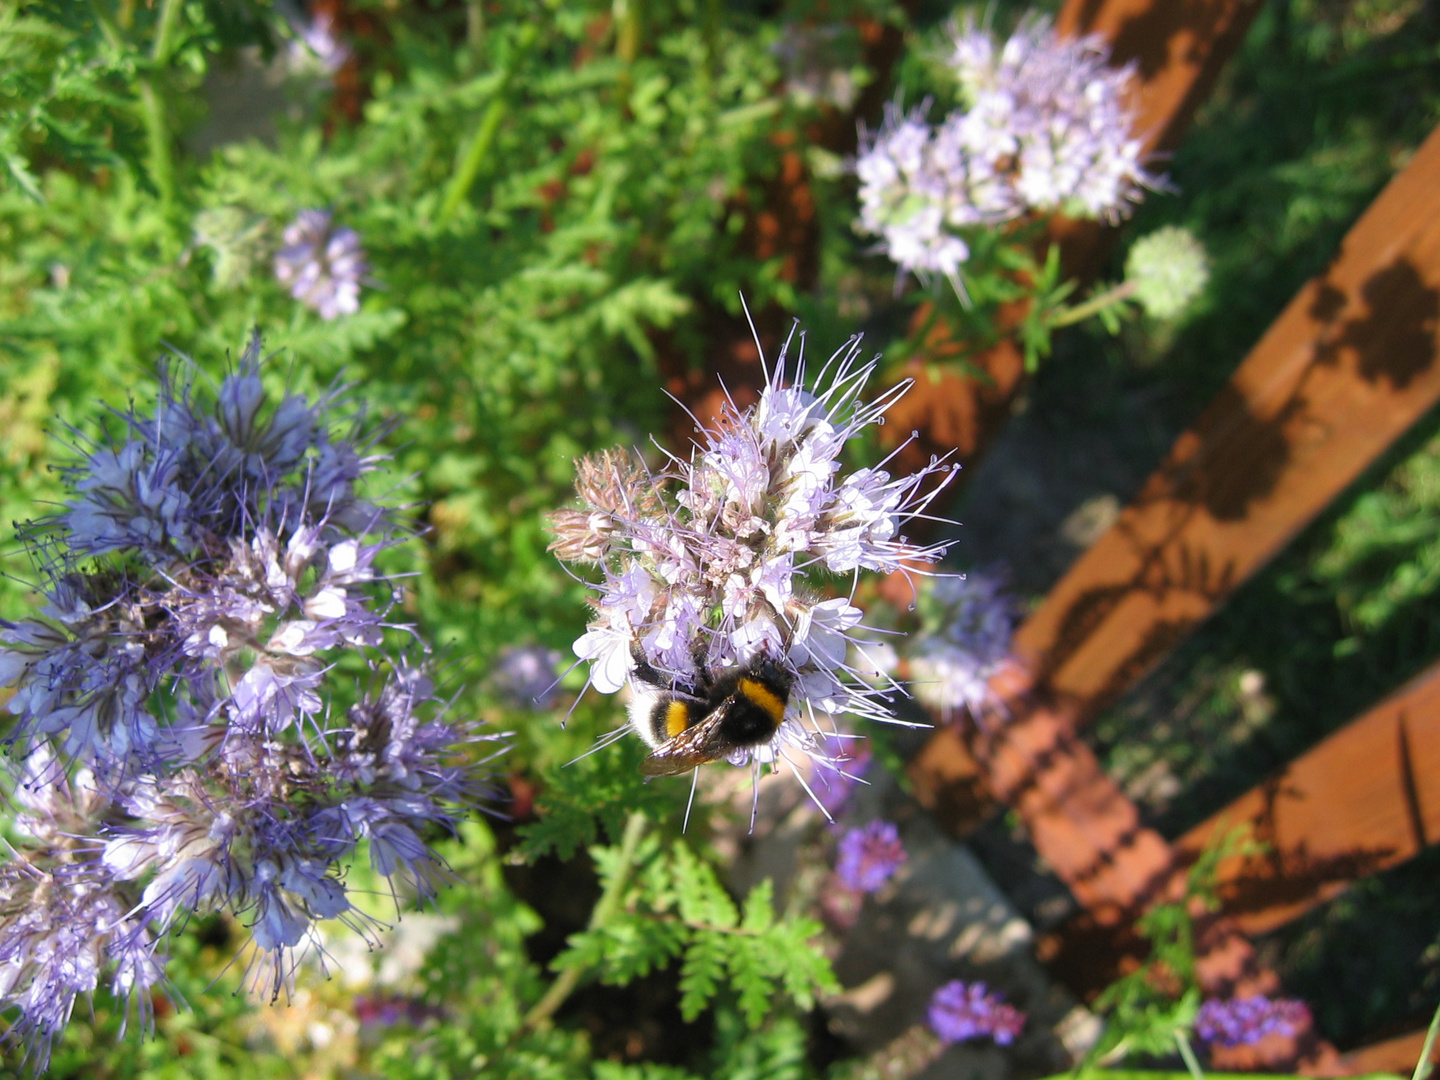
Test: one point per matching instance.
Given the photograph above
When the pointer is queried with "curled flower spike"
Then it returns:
(175, 734)
(1243, 1021)
(966, 624)
(870, 856)
(711, 603)
(322, 264)
(960, 1011)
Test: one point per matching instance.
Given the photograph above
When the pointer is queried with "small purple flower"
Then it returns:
(386, 1008)
(321, 264)
(527, 675)
(869, 856)
(317, 42)
(966, 625)
(960, 1011)
(1243, 1021)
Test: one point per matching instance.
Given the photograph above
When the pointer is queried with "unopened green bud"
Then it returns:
(1167, 270)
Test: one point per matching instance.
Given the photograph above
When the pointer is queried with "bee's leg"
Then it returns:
(704, 684)
(644, 670)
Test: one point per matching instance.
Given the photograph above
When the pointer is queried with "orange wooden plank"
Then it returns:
(1349, 365)
(1397, 1055)
(1092, 837)
(1366, 798)
(1344, 370)
(1178, 50)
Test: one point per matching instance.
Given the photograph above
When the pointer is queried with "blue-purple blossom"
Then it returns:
(527, 676)
(175, 729)
(870, 856)
(322, 264)
(966, 624)
(960, 1011)
(723, 557)
(316, 44)
(1243, 1021)
(1045, 127)
(388, 1008)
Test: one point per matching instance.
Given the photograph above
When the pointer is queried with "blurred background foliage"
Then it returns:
(557, 205)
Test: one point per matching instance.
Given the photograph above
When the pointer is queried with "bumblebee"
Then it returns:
(693, 726)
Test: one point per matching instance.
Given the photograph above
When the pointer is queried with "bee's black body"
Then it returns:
(691, 726)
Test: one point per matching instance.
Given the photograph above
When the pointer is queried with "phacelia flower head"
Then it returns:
(1243, 1021)
(966, 624)
(960, 1011)
(1055, 116)
(1045, 127)
(178, 741)
(713, 571)
(322, 264)
(869, 856)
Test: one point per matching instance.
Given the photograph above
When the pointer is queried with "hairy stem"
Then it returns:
(1424, 1066)
(157, 141)
(604, 910)
(475, 154)
(165, 30)
(1188, 1054)
(1080, 312)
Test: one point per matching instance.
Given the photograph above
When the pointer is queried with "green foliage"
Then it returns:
(588, 795)
(1150, 1011)
(676, 907)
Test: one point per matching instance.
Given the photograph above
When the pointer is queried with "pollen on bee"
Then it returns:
(677, 717)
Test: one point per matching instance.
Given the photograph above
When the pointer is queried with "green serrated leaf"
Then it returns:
(759, 908)
(700, 975)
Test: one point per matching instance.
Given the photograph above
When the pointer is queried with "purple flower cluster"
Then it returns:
(177, 747)
(1046, 127)
(386, 1008)
(961, 1011)
(321, 264)
(967, 622)
(721, 560)
(869, 856)
(1243, 1021)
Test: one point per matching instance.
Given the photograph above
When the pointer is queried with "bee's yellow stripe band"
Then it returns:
(677, 718)
(763, 697)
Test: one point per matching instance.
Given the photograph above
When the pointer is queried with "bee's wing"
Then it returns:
(694, 746)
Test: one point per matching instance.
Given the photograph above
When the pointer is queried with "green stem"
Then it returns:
(1188, 1054)
(112, 34)
(479, 148)
(475, 154)
(1080, 312)
(165, 30)
(159, 162)
(1424, 1066)
(475, 25)
(157, 141)
(604, 910)
(629, 18)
